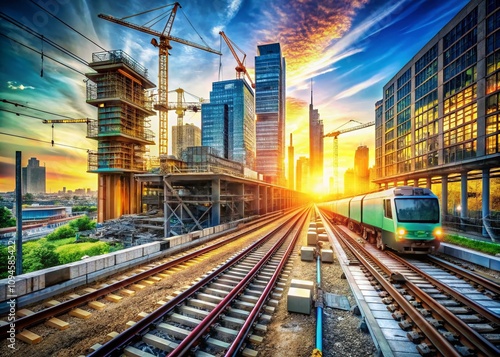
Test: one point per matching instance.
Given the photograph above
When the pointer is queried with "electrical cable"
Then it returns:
(43, 141)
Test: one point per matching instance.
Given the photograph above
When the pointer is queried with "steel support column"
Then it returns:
(485, 197)
(463, 195)
(444, 197)
(215, 219)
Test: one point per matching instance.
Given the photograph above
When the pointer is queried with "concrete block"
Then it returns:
(327, 255)
(56, 275)
(312, 225)
(151, 248)
(20, 285)
(57, 323)
(323, 237)
(321, 230)
(312, 237)
(79, 313)
(29, 337)
(303, 284)
(307, 254)
(299, 300)
(77, 269)
(109, 260)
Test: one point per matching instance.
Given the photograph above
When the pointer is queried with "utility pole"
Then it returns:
(19, 216)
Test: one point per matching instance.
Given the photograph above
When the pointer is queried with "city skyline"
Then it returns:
(342, 46)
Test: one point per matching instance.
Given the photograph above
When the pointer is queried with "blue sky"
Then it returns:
(350, 49)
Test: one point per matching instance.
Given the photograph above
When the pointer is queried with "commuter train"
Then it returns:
(404, 219)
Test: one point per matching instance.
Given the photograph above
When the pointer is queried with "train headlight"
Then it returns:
(438, 233)
(401, 232)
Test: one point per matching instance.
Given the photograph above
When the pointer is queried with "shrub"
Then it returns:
(62, 232)
(82, 224)
(74, 252)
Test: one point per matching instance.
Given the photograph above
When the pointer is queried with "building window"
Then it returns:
(493, 134)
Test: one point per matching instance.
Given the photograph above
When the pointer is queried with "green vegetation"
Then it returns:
(59, 247)
(483, 247)
(82, 224)
(6, 218)
(62, 232)
(73, 252)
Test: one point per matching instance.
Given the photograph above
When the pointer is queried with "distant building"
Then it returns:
(191, 136)
(302, 174)
(33, 177)
(291, 164)
(270, 105)
(349, 187)
(316, 148)
(361, 170)
(239, 98)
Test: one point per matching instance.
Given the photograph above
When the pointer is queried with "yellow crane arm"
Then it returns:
(240, 68)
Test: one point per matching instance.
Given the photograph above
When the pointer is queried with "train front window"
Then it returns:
(417, 210)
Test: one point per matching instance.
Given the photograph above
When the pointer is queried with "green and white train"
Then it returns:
(405, 219)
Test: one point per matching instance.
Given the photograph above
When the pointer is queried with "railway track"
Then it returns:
(222, 313)
(441, 313)
(126, 285)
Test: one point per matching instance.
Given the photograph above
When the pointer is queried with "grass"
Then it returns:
(483, 247)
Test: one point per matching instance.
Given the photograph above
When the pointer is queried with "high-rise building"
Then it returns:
(214, 128)
(270, 102)
(361, 170)
(316, 133)
(291, 164)
(302, 174)
(238, 96)
(33, 177)
(119, 90)
(191, 136)
(440, 115)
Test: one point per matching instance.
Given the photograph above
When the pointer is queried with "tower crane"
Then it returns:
(241, 70)
(335, 134)
(163, 48)
(180, 107)
(65, 121)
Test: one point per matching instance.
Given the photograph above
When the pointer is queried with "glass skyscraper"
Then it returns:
(239, 138)
(270, 100)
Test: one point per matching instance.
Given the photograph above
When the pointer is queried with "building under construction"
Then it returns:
(119, 91)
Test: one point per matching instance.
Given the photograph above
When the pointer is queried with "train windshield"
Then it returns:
(417, 210)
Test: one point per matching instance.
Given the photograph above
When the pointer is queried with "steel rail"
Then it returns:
(473, 337)
(487, 284)
(197, 333)
(237, 345)
(64, 307)
(439, 342)
(450, 291)
(114, 346)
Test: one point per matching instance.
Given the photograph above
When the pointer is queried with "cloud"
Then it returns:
(15, 86)
(360, 86)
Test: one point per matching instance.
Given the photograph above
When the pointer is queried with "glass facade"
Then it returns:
(431, 113)
(214, 128)
(270, 109)
(239, 98)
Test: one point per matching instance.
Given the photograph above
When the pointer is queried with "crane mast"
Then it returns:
(163, 47)
(240, 68)
(335, 134)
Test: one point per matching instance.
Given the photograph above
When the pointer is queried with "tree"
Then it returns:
(62, 232)
(41, 257)
(6, 218)
(28, 198)
(82, 224)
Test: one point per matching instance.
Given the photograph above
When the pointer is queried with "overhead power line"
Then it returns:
(42, 141)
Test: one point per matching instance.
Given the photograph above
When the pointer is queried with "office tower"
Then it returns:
(291, 165)
(239, 138)
(191, 136)
(302, 174)
(270, 100)
(361, 170)
(214, 128)
(33, 177)
(441, 112)
(118, 89)
(315, 147)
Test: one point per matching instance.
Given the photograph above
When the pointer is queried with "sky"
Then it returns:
(349, 48)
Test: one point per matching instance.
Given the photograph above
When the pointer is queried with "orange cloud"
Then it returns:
(306, 29)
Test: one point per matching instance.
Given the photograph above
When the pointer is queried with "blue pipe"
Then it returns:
(319, 308)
